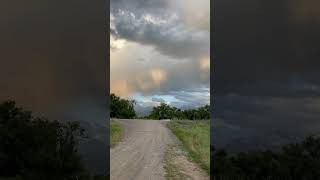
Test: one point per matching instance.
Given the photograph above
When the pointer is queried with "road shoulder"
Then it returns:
(177, 165)
(116, 133)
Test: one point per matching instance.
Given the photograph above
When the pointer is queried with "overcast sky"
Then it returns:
(267, 76)
(53, 58)
(53, 63)
(160, 52)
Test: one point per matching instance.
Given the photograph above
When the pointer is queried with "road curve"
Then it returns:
(140, 155)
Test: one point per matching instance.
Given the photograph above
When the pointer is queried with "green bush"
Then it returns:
(121, 108)
(299, 161)
(164, 111)
(195, 138)
(115, 133)
(36, 148)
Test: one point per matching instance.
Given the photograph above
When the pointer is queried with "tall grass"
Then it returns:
(195, 138)
(115, 133)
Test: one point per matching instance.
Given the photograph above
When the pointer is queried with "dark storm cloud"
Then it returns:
(266, 61)
(154, 23)
(50, 58)
(142, 5)
(259, 48)
(250, 122)
(53, 63)
(170, 39)
(268, 112)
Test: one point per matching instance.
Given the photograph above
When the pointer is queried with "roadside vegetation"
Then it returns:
(194, 133)
(295, 161)
(173, 170)
(124, 109)
(34, 148)
(165, 111)
(116, 133)
(195, 139)
(121, 108)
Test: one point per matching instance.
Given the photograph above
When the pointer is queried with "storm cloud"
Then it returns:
(53, 63)
(158, 49)
(266, 56)
(54, 59)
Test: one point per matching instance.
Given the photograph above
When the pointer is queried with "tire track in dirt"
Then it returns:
(141, 153)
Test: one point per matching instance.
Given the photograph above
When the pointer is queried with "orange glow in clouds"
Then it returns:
(120, 88)
(158, 76)
(205, 64)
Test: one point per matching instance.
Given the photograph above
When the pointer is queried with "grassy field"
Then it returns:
(116, 132)
(195, 138)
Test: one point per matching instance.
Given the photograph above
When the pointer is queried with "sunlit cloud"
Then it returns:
(160, 47)
(195, 14)
(120, 88)
(158, 76)
(145, 85)
(117, 43)
(205, 64)
(151, 80)
(154, 20)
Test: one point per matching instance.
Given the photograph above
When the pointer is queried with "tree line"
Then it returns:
(123, 108)
(296, 161)
(165, 111)
(38, 149)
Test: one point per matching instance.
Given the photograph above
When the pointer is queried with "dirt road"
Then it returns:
(140, 155)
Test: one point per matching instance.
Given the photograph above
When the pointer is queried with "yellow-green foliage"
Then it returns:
(195, 138)
(115, 132)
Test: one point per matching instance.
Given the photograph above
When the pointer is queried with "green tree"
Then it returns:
(36, 148)
(165, 111)
(121, 108)
(296, 161)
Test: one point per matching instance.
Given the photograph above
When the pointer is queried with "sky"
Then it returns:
(53, 57)
(266, 82)
(160, 52)
(53, 63)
